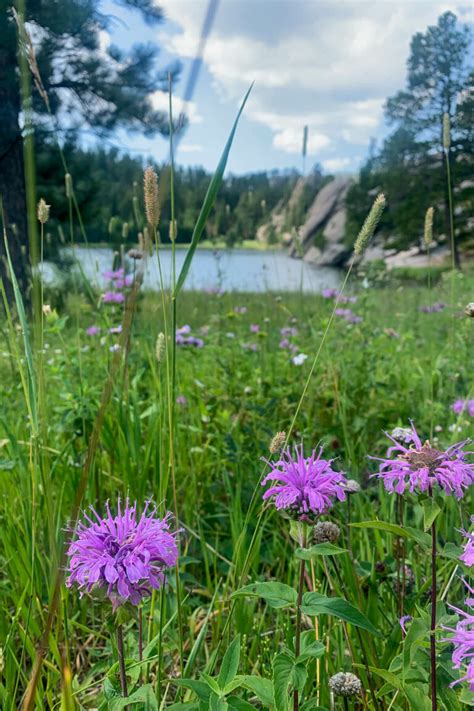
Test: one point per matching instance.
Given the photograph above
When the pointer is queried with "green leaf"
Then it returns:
(230, 663)
(262, 688)
(402, 531)
(310, 705)
(431, 510)
(319, 549)
(211, 682)
(310, 648)
(145, 694)
(240, 704)
(316, 604)
(277, 595)
(200, 688)
(216, 703)
(208, 202)
(282, 671)
(186, 706)
(298, 676)
(417, 698)
(387, 676)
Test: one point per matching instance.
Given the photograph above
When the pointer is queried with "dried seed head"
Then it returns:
(469, 310)
(160, 347)
(345, 684)
(352, 486)
(68, 182)
(125, 230)
(43, 211)
(277, 442)
(135, 254)
(446, 132)
(326, 532)
(370, 224)
(428, 231)
(150, 191)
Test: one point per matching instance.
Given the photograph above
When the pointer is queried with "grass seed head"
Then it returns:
(150, 191)
(446, 132)
(428, 231)
(68, 182)
(160, 347)
(277, 443)
(43, 211)
(370, 224)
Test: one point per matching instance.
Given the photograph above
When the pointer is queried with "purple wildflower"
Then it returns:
(422, 467)
(403, 621)
(288, 331)
(184, 330)
(93, 330)
(307, 486)
(467, 556)
(181, 400)
(463, 406)
(284, 343)
(116, 329)
(113, 297)
(124, 555)
(434, 308)
(254, 328)
(115, 274)
(463, 640)
(329, 293)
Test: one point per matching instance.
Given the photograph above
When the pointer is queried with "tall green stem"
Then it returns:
(296, 700)
(434, 701)
(121, 656)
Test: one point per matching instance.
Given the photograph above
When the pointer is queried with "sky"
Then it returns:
(329, 65)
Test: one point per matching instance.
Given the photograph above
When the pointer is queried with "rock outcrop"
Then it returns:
(321, 237)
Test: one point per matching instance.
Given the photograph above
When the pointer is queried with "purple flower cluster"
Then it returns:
(334, 293)
(93, 331)
(305, 486)
(183, 337)
(348, 315)
(119, 281)
(463, 640)
(421, 466)
(288, 332)
(434, 308)
(124, 555)
(466, 406)
(467, 556)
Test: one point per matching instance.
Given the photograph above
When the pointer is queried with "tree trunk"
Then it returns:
(12, 178)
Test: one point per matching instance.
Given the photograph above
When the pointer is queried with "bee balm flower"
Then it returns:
(304, 486)
(422, 467)
(124, 555)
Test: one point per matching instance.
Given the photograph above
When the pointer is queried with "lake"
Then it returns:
(226, 269)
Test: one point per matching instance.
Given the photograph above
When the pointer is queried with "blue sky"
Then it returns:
(327, 64)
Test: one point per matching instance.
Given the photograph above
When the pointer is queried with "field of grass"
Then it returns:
(88, 419)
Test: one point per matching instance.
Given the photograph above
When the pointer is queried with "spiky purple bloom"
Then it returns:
(463, 640)
(466, 406)
(329, 293)
(113, 297)
(124, 555)
(422, 467)
(467, 556)
(93, 330)
(306, 486)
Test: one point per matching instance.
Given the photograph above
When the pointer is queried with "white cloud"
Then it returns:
(160, 102)
(190, 148)
(329, 65)
(336, 165)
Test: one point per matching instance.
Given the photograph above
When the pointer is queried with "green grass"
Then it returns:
(367, 380)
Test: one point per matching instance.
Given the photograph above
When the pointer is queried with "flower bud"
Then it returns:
(345, 684)
(326, 532)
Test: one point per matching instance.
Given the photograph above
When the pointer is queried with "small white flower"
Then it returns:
(230, 334)
(114, 348)
(299, 359)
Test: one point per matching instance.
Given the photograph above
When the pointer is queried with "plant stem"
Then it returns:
(296, 701)
(434, 702)
(123, 674)
(140, 634)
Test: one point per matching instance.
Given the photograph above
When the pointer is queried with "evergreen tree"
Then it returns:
(88, 84)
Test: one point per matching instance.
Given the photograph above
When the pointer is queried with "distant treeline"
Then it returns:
(106, 182)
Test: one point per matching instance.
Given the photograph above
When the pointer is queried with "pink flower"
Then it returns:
(305, 486)
(421, 466)
(113, 297)
(467, 556)
(93, 330)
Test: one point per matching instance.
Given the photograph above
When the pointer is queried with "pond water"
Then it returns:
(226, 269)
